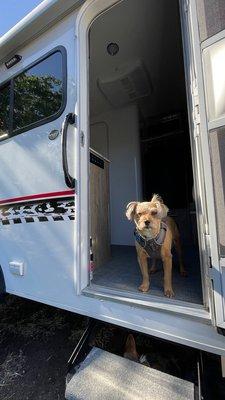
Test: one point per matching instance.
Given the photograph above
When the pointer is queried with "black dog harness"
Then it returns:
(152, 246)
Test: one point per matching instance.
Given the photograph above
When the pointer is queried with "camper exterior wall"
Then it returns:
(188, 331)
(62, 285)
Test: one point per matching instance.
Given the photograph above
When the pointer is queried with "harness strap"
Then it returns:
(152, 246)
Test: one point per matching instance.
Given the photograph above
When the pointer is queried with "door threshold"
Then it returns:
(197, 311)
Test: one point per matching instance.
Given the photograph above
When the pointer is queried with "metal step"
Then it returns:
(103, 375)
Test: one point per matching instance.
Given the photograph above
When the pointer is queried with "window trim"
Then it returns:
(52, 117)
(3, 86)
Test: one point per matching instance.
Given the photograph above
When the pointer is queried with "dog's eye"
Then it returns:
(153, 212)
(138, 214)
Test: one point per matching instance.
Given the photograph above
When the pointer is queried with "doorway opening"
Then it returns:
(139, 142)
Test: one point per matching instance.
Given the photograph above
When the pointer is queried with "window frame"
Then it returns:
(10, 81)
(3, 86)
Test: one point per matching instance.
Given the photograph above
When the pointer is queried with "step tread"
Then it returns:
(103, 375)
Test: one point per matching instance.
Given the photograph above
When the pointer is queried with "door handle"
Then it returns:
(69, 119)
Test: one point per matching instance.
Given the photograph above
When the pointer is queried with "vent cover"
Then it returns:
(128, 83)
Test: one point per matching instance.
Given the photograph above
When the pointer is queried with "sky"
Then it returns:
(12, 11)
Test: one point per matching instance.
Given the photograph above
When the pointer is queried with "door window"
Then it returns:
(37, 95)
(211, 17)
(214, 65)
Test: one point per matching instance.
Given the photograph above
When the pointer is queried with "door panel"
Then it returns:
(207, 21)
(36, 205)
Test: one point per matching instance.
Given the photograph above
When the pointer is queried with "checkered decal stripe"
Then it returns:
(41, 211)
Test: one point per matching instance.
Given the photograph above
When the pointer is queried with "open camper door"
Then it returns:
(206, 23)
(39, 167)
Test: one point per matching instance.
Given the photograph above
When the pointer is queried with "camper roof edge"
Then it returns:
(45, 14)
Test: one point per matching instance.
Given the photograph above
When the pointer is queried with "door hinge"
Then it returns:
(197, 130)
(82, 138)
(196, 118)
(196, 113)
(208, 244)
(186, 5)
(211, 270)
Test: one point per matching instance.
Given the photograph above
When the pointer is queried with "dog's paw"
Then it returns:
(144, 287)
(169, 293)
(184, 273)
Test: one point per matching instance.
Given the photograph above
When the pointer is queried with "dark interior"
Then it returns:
(165, 146)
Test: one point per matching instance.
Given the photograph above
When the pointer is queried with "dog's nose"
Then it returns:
(147, 223)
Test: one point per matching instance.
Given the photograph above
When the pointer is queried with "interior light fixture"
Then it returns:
(112, 49)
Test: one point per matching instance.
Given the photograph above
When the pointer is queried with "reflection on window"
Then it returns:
(38, 92)
(4, 109)
(33, 96)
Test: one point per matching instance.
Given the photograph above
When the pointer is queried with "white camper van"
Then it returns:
(103, 102)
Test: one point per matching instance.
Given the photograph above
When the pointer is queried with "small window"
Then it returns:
(214, 64)
(4, 109)
(38, 92)
(37, 95)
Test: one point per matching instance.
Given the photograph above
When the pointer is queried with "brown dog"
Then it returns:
(155, 234)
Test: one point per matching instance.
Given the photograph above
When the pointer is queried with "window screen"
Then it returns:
(37, 95)
(211, 17)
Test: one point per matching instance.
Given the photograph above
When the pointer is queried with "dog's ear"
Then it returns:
(161, 207)
(130, 349)
(130, 210)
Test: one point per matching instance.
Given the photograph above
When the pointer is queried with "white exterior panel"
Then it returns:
(31, 166)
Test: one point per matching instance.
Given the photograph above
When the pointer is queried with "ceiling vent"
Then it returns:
(126, 84)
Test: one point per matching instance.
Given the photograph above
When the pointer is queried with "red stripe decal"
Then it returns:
(40, 196)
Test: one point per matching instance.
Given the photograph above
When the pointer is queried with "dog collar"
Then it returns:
(152, 246)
